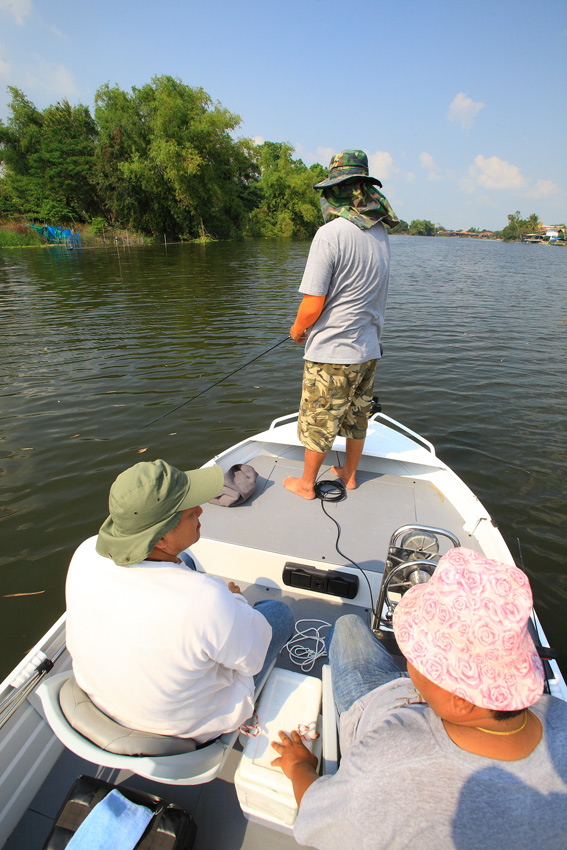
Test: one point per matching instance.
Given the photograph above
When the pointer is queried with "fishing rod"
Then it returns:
(12, 702)
(224, 377)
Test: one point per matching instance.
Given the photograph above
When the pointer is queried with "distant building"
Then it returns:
(484, 234)
(554, 231)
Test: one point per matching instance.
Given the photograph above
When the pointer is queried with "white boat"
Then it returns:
(406, 511)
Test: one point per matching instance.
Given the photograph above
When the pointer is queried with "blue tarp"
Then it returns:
(58, 235)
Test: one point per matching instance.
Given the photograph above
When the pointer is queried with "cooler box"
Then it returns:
(289, 701)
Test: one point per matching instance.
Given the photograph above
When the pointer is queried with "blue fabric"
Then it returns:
(281, 619)
(114, 823)
(188, 560)
(359, 662)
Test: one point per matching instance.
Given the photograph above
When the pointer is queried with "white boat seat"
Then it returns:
(186, 768)
(102, 730)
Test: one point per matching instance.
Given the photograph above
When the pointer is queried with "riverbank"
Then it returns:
(99, 234)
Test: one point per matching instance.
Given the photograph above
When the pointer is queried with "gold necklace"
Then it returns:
(513, 732)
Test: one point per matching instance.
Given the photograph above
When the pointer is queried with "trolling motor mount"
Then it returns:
(412, 558)
(375, 406)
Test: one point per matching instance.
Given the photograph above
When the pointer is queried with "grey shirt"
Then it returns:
(350, 267)
(403, 783)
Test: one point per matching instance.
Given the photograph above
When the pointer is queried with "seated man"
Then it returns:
(158, 645)
(466, 753)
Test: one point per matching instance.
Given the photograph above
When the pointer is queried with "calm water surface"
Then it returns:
(96, 344)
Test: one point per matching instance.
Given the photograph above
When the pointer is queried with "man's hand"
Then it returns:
(299, 338)
(296, 761)
(292, 751)
(233, 587)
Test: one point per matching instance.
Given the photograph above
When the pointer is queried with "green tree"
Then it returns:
(402, 227)
(288, 206)
(167, 161)
(516, 228)
(48, 159)
(422, 227)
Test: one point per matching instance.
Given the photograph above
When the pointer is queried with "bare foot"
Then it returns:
(296, 485)
(348, 481)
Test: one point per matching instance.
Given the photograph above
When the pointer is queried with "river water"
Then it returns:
(96, 344)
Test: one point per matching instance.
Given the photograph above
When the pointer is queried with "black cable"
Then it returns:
(335, 491)
(224, 377)
(330, 491)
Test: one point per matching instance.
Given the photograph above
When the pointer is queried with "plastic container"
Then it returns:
(289, 701)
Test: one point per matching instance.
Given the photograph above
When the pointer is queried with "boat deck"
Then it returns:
(272, 521)
(276, 520)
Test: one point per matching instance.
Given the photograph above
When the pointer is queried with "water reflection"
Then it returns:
(98, 343)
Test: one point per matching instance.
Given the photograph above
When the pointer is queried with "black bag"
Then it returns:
(171, 827)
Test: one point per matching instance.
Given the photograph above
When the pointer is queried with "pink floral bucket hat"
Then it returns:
(466, 630)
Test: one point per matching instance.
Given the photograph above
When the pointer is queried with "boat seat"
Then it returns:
(102, 730)
(194, 767)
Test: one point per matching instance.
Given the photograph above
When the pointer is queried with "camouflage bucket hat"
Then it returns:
(345, 166)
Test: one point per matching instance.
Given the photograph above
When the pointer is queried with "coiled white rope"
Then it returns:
(307, 644)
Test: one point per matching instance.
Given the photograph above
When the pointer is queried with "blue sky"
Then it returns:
(460, 107)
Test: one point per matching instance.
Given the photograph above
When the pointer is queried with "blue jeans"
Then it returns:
(281, 619)
(359, 662)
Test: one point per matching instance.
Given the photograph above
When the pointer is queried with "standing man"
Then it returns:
(345, 287)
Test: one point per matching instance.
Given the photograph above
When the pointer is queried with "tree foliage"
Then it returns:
(402, 227)
(287, 206)
(422, 227)
(160, 159)
(166, 160)
(48, 159)
(518, 227)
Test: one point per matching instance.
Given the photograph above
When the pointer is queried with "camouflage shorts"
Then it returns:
(335, 399)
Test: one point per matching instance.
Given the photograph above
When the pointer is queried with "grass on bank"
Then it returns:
(18, 236)
(95, 235)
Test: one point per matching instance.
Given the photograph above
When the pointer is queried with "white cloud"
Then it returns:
(258, 140)
(381, 165)
(5, 67)
(20, 9)
(428, 162)
(56, 31)
(463, 110)
(543, 189)
(54, 79)
(324, 155)
(430, 166)
(494, 173)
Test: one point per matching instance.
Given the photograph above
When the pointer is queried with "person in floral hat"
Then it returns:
(340, 320)
(467, 752)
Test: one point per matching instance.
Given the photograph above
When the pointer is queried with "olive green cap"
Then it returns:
(345, 166)
(146, 502)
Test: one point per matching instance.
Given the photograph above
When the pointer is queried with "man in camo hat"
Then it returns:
(345, 287)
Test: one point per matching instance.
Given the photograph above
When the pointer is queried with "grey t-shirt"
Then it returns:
(403, 783)
(350, 267)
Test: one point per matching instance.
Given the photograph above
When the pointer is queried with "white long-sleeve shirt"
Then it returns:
(162, 648)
